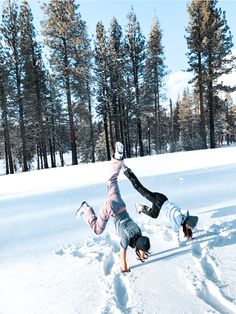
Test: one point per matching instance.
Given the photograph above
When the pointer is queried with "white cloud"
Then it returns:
(176, 82)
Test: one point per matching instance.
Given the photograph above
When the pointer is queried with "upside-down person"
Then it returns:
(162, 208)
(114, 206)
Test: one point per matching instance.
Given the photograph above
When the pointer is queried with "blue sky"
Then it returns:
(173, 19)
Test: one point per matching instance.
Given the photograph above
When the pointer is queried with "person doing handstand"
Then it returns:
(114, 206)
(161, 207)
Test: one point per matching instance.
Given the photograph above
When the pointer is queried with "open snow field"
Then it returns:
(51, 262)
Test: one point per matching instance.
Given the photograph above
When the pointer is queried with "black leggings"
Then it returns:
(157, 199)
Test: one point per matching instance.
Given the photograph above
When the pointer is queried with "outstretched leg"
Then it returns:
(114, 201)
(157, 199)
(97, 223)
(111, 206)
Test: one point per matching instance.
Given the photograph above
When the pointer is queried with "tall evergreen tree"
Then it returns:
(189, 122)
(224, 125)
(11, 33)
(135, 49)
(210, 44)
(33, 80)
(63, 29)
(5, 111)
(116, 62)
(84, 95)
(196, 60)
(56, 122)
(230, 115)
(102, 85)
(155, 71)
(176, 124)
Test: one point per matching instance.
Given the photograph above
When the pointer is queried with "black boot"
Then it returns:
(142, 209)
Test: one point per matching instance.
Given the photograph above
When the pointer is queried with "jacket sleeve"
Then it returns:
(176, 237)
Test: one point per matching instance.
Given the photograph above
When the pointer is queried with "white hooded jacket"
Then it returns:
(174, 216)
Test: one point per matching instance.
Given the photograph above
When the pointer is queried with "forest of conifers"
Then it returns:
(67, 93)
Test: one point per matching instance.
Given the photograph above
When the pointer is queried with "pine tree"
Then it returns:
(11, 34)
(63, 28)
(155, 71)
(231, 125)
(33, 80)
(5, 111)
(196, 60)
(116, 64)
(188, 122)
(102, 85)
(135, 50)
(56, 122)
(84, 93)
(210, 44)
(224, 125)
(232, 122)
(176, 124)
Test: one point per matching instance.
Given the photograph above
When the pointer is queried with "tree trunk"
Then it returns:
(172, 140)
(202, 111)
(70, 111)
(105, 124)
(202, 120)
(52, 153)
(8, 153)
(91, 124)
(40, 116)
(22, 124)
(211, 115)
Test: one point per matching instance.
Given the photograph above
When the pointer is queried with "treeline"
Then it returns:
(68, 93)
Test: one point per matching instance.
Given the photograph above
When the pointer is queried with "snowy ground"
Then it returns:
(51, 262)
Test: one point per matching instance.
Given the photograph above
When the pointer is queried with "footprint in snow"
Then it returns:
(196, 250)
(205, 278)
(108, 262)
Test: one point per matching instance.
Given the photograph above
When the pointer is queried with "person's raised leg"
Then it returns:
(114, 201)
(155, 198)
(138, 185)
(97, 223)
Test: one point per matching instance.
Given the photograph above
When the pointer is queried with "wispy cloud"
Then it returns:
(176, 82)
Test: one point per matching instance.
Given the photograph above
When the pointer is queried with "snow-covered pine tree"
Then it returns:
(63, 31)
(10, 30)
(210, 55)
(135, 52)
(5, 123)
(116, 64)
(33, 80)
(103, 92)
(155, 71)
(83, 89)
(188, 119)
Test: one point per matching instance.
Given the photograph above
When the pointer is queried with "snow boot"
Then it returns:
(142, 208)
(83, 207)
(119, 151)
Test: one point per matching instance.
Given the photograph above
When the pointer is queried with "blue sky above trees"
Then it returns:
(173, 19)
